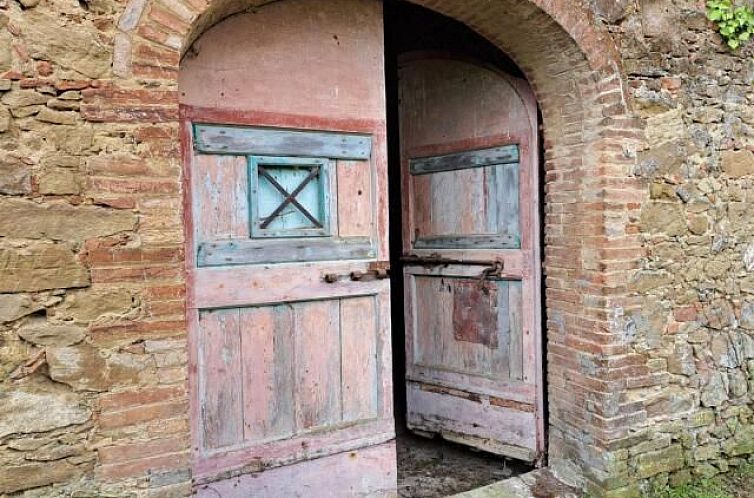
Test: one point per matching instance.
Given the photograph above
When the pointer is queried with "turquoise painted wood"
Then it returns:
(305, 180)
(507, 154)
(244, 252)
(220, 139)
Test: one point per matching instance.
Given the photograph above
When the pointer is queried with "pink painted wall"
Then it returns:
(294, 58)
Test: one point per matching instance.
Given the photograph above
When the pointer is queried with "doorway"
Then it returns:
(434, 464)
(294, 168)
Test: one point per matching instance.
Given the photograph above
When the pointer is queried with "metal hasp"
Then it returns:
(379, 270)
(495, 270)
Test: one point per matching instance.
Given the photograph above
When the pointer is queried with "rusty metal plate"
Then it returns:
(475, 312)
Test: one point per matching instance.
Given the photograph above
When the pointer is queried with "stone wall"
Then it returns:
(695, 288)
(93, 372)
(92, 333)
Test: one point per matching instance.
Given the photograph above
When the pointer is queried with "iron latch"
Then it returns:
(494, 270)
(377, 270)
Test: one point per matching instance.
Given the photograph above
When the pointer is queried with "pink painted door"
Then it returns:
(470, 255)
(289, 304)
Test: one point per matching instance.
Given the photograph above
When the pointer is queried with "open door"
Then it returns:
(284, 125)
(471, 255)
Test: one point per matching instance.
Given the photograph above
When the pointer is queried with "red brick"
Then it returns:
(140, 449)
(140, 467)
(130, 186)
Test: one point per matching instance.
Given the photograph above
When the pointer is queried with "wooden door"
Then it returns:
(470, 255)
(289, 307)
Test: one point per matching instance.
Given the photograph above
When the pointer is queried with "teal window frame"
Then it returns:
(323, 196)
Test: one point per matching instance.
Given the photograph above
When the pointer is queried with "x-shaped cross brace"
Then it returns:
(289, 197)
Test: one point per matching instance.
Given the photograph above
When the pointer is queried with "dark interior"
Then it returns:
(428, 468)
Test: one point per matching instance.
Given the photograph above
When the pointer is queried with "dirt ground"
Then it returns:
(436, 468)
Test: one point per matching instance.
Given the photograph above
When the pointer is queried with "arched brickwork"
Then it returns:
(592, 201)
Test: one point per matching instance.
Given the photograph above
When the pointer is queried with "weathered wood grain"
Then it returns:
(249, 252)
(355, 209)
(365, 472)
(219, 139)
(220, 375)
(268, 382)
(317, 364)
(268, 284)
(467, 419)
(359, 379)
(507, 154)
(221, 197)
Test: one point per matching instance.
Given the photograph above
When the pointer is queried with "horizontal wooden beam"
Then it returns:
(285, 250)
(218, 139)
(507, 154)
(504, 241)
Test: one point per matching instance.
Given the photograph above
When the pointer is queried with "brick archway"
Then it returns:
(592, 201)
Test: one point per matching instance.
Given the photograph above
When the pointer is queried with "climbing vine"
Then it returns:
(736, 23)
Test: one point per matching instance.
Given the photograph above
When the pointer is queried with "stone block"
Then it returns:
(41, 332)
(741, 443)
(671, 400)
(40, 266)
(27, 219)
(89, 305)
(23, 98)
(15, 306)
(15, 478)
(647, 280)
(737, 163)
(15, 177)
(655, 462)
(76, 49)
(32, 409)
(663, 217)
(702, 418)
(715, 392)
(81, 367)
(5, 119)
(59, 181)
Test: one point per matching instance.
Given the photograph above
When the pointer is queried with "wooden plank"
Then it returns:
(501, 360)
(221, 392)
(506, 154)
(304, 446)
(482, 423)
(245, 252)
(317, 364)
(269, 284)
(510, 389)
(515, 308)
(358, 330)
(506, 241)
(507, 194)
(268, 384)
(355, 200)
(221, 197)
(219, 139)
(452, 203)
(364, 472)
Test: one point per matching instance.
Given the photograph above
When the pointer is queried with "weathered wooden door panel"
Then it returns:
(276, 372)
(286, 179)
(468, 143)
(291, 362)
